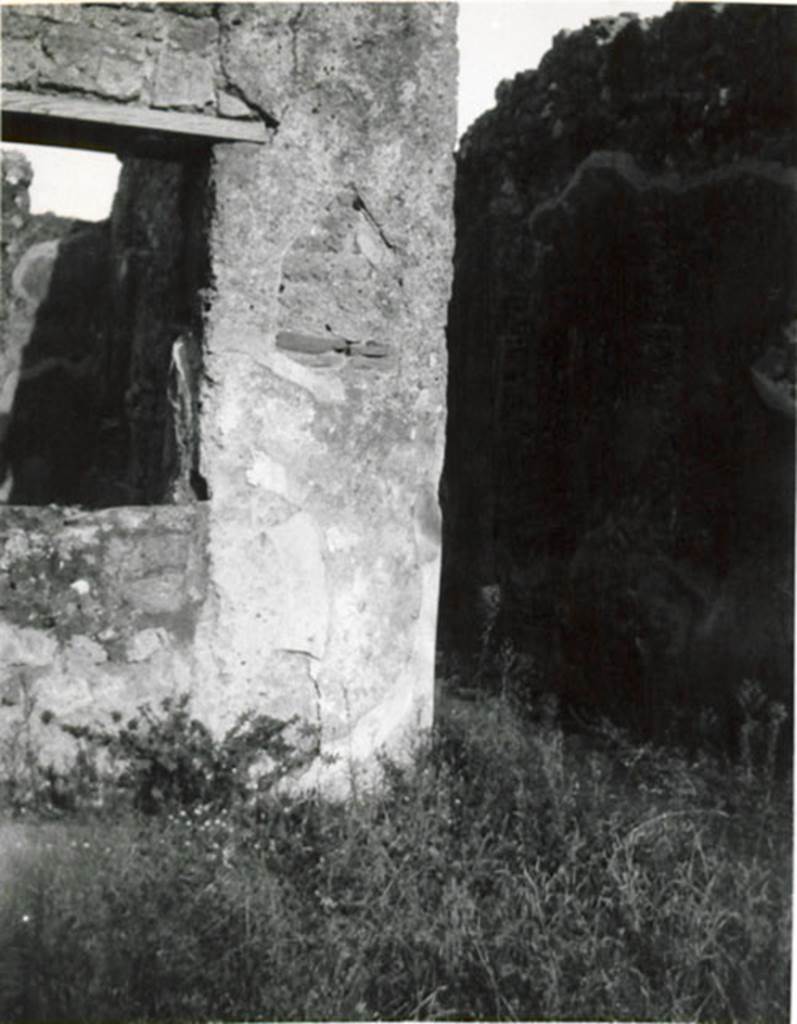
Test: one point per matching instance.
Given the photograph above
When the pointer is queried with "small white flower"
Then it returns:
(81, 587)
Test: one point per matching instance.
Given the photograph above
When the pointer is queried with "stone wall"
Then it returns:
(312, 323)
(620, 455)
(99, 615)
(163, 56)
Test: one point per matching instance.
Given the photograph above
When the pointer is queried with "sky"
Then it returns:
(497, 38)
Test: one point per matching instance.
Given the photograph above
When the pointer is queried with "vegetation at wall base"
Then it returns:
(510, 871)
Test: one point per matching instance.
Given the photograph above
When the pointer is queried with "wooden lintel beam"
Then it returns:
(92, 124)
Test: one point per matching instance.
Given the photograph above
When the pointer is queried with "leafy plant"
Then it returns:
(171, 759)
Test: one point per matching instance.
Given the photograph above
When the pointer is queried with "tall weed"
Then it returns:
(509, 871)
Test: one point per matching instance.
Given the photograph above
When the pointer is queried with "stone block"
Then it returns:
(12, 687)
(127, 23)
(72, 54)
(143, 553)
(190, 10)
(183, 81)
(193, 35)
(25, 646)
(145, 644)
(119, 77)
(21, 59)
(70, 13)
(82, 649)
(231, 106)
(20, 24)
(157, 594)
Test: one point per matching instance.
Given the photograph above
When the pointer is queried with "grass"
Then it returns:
(510, 871)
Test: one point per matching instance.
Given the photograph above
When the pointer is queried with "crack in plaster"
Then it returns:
(361, 206)
(311, 661)
(293, 27)
(271, 121)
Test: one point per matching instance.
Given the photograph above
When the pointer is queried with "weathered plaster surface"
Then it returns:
(328, 452)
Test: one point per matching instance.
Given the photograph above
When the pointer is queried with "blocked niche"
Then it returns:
(100, 340)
